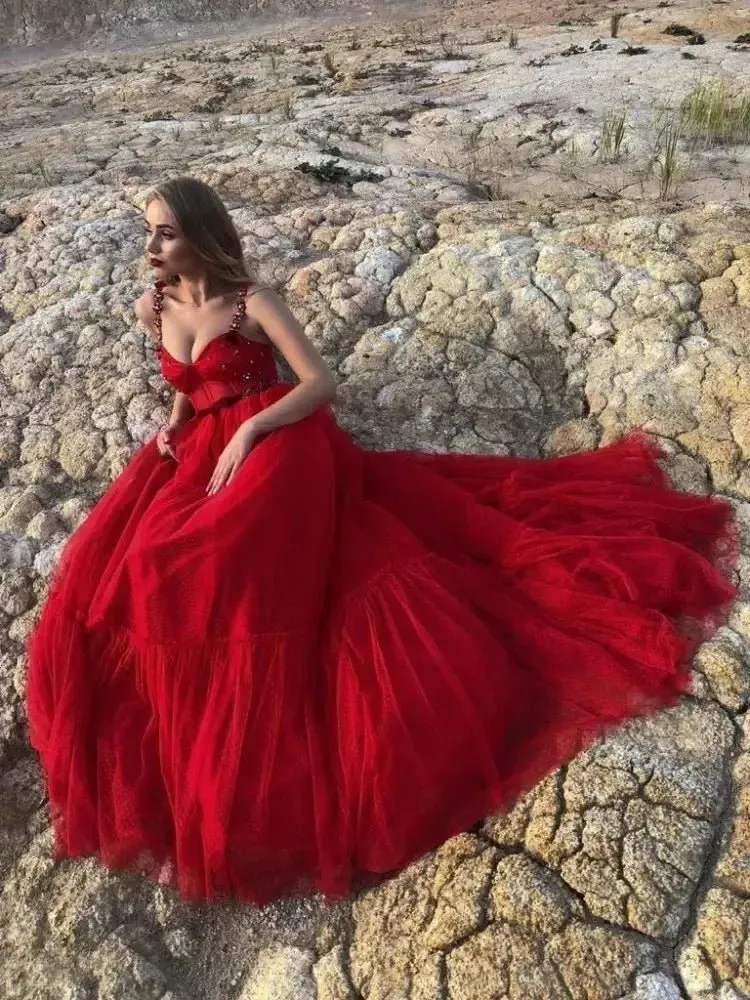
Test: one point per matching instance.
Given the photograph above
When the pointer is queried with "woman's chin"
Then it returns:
(160, 272)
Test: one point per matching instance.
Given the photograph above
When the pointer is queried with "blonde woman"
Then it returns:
(273, 662)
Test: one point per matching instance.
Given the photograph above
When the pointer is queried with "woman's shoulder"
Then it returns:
(259, 297)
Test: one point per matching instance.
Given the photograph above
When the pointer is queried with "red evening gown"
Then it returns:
(345, 657)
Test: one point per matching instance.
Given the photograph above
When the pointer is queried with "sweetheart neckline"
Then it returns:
(192, 364)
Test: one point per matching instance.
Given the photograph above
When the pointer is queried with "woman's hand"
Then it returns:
(233, 456)
(165, 438)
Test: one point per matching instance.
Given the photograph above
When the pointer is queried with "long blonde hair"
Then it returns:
(206, 225)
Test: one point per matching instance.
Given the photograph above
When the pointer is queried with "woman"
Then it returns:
(272, 662)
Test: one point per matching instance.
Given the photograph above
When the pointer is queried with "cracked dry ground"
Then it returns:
(451, 323)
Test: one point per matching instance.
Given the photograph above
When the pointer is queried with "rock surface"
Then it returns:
(475, 287)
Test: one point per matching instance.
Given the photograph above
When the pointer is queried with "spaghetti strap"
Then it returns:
(260, 288)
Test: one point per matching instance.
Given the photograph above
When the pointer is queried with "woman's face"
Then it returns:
(167, 251)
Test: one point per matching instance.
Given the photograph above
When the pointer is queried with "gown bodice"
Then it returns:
(229, 366)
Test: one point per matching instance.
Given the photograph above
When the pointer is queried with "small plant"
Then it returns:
(410, 31)
(614, 24)
(572, 154)
(478, 163)
(329, 64)
(171, 77)
(711, 115)
(212, 105)
(513, 40)
(43, 169)
(78, 141)
(678, 30)
(158, 116)
(287, 107)
(331, 172)
(452, 48)
(273, 63)
(612, 134)
(666, 161)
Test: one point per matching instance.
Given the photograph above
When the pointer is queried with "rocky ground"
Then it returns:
(443, 213)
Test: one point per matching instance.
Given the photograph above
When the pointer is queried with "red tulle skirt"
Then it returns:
(344, 657)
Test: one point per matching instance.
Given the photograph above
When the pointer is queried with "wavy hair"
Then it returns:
(207, 226)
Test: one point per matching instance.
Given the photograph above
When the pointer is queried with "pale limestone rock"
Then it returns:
(462, 901)
(718, 943)
(599, 962)
(530, 898)
(281, 974)
(331, 978)
(478, 968)
(733, 865)
(122, 973)
(655, 986)
(725, 666)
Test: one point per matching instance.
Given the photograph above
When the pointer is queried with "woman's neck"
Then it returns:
(199, 289)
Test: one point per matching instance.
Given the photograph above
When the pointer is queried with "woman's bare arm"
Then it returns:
(317, 384)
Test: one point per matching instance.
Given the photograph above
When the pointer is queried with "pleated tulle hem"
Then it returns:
(133, 820)
(261, 877)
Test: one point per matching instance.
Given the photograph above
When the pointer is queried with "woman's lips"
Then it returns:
(155, 262)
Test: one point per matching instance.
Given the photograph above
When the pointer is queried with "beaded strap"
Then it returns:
(158, 305)
(239, 312)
